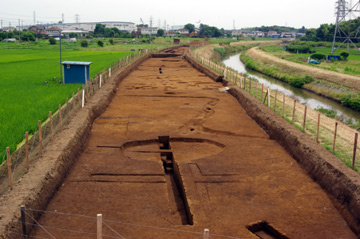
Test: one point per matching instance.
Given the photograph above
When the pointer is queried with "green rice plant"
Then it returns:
(27, 91)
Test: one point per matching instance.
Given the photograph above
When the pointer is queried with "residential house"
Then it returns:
(149, 30)
(236, 32)
(52, 31)
(183, 31)
(288, 35)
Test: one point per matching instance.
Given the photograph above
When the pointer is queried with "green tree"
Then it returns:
(111, 41)
(209, 31)
(27, 36)
(84, 43)
(190, 27)
(160, 32)
(52, 41)
(100, 43)
(344, 55)
(99, 29)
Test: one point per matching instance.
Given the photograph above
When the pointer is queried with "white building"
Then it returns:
(183, 31)
(177, 27)
(90, 26)
(149, 30)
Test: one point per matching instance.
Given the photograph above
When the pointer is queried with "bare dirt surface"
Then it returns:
(173, 155)
(351, 82)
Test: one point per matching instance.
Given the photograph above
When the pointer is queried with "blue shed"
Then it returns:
(76, 72)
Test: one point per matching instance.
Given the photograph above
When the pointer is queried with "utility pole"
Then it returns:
(151, 20)
(62, 18)
(19, 32)
(1, 23)
(61, 73)
(34, 18)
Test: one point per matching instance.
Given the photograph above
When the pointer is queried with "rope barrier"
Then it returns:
(132, 224)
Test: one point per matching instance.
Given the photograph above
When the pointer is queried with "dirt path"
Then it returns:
(173, 155)
(351, 82)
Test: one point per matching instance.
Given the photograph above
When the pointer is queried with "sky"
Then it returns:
(222, 13)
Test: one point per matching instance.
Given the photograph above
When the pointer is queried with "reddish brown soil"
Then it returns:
(227, 173)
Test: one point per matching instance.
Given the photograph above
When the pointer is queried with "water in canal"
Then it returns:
(303, 96)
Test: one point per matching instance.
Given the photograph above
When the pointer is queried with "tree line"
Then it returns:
(24, 35)
(326, 31)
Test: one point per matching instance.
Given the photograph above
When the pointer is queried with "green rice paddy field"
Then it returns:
(25, 98)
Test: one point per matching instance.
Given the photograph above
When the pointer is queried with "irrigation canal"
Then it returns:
(303, 96)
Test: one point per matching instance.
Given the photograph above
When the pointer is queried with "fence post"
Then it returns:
(268, 97)
(99, 226)
(304, 123)
(23, 221)
(250, 85)
(283, 108)
(354, 153)
(275, 100)
(262, 91)
(318, 128)
(9, 167)
(293, 114)
(27, 150)
(60, 118)
(40, 138)
(206, 234)
(83, 97)
(256, 89)
(100, 81)
(109, 72)
(73, 101)
(336, 124)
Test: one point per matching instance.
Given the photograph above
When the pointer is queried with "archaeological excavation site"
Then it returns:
(168, 148)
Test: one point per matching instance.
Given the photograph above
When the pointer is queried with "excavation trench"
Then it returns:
(218, 170)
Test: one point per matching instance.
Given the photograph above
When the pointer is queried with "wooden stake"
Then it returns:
(256, 89)
(293, 115)
(73, 101)
(336, 124)
(67, 106)
(268, 99)
(51, 126)
(265, 97)
(354, 153)
(275, 100)
(262, 90)
(250, 85)
(304, 123)
(206, 234)
(23, 221)
(60, 118)
(318, 128)
(100, 81)
(27, 150)
(83, 97)
(9, 167)
(40, 138)
(283, 108)
(99, 226)
(78, 94)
